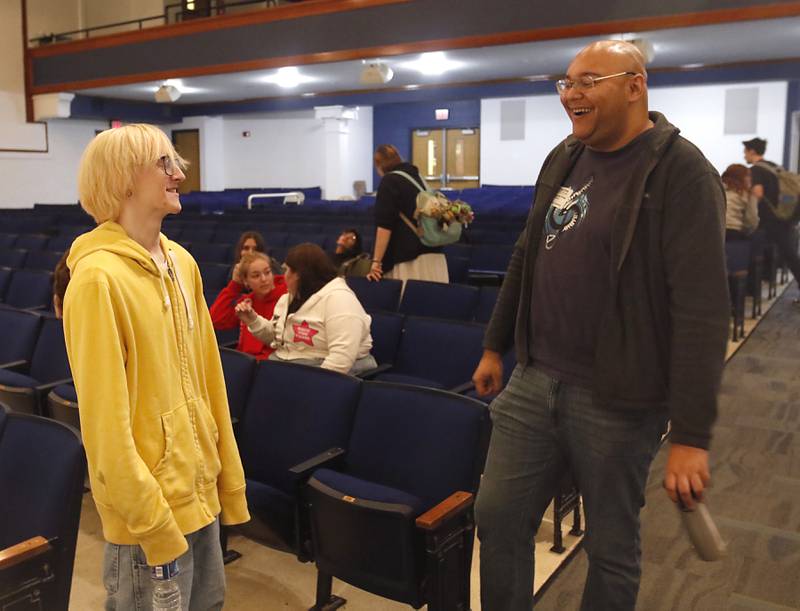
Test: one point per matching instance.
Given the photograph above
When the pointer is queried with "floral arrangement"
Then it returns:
(446, 211)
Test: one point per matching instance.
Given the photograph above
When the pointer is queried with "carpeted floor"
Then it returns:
(755, 496)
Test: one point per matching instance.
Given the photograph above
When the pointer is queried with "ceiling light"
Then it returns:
(308, 94)
(411, 87)
(692, 66)
(376, 73)
(288, 78)
(433, 64)
(167, 94)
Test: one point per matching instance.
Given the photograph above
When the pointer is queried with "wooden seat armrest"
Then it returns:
(22, 551)
(13, 365)
(448, 508)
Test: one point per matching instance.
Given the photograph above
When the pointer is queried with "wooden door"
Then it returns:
(463, 158)
(427, 153)
(187, 143)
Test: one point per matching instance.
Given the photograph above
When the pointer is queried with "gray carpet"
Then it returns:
(755, 494)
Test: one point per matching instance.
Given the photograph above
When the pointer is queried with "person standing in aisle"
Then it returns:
(163, 462)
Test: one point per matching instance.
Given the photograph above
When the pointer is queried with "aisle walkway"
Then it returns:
(755, 496)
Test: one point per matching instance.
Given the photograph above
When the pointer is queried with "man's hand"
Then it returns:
(244, 310)
(488, 377)
(686, 473)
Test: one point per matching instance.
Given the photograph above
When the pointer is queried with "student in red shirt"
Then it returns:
(254, 274)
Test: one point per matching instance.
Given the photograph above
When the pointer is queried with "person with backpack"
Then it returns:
(399, 252)
(768, 179)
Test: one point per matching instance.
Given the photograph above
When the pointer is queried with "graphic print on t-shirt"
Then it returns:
(567, 211)
(303, 334)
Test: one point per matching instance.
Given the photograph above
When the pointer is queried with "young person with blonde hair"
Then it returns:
(163, 461)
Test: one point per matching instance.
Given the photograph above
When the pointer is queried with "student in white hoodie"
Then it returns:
(319, 321)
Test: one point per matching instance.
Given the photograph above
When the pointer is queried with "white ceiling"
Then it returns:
(703, 45)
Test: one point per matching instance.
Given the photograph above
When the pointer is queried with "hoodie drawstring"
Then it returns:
(182, 290)
(164, 292)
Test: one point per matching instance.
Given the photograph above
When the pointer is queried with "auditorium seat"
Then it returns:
(487, 297)
(42, 470)
(215, 276)
(396, 517)
(19, 330)
(13, 257)
(383, 295)
(386, 330)
(439, 300)
(25, 386)
(457, 269)
(30, 289)
(60, 243)
(7, 240)
(62, 405)
(5, 279)
(737, 255)
(211, 253)
(490, 258)
(294, 413)
(42, 260)
(238, 369)
(32, 241)
(436, 353)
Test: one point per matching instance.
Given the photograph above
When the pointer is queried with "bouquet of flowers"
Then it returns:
(446, 211)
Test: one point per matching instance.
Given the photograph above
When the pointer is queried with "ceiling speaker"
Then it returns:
(167, 93)
(376, 73)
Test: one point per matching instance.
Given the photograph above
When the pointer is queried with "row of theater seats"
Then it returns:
(42, 471)
(371, 481)
(751, 263)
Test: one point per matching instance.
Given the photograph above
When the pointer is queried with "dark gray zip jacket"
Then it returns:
(664, 327)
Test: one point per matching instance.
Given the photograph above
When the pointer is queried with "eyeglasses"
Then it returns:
(586, 82)
(165, 161)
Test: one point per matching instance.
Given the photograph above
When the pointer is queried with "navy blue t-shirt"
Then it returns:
(571, 279)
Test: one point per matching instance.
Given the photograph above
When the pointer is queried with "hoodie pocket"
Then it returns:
(175, 471)
(208, 438)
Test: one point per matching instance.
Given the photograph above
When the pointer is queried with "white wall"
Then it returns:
(51, 177)
(287, 149)
(212, 149)
(53, 16)
(697, 110)
(28, 178)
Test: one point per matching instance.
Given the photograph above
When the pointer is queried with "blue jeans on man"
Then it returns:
(541, 427)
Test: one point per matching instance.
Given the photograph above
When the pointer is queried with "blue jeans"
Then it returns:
(541, 427)
(129, 586)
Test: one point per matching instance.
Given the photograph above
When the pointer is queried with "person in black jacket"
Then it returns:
(398, 251)
(616, 302)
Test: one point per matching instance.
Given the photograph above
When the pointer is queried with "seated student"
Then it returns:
(319, 321)
(60, 282)
(349, 257)
(741, 216)
(253, 274)
(250, 242)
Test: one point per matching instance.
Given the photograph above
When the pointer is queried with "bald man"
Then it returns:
(616, 303)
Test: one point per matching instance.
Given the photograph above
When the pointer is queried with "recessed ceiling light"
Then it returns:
(433, 64)
(288, 78)
(411, 87)
(308, 94)
(692, 66)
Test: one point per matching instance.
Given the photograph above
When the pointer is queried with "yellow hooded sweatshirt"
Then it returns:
(163, 461)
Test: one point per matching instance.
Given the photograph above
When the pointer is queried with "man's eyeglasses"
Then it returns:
(165, 161)
(586, 82)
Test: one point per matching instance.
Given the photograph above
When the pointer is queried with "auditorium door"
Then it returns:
(187, 143)
(447, 157)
